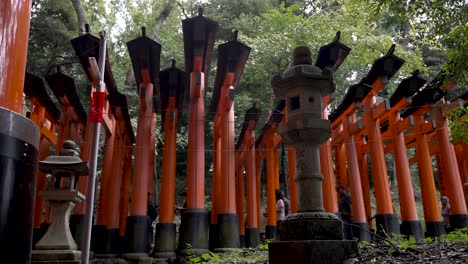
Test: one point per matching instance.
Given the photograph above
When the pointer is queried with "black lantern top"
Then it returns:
(252, 114)
(333, 54)
(121, 113)
(87, 46)
(354, 94)
(384, 67)
(34, 88)
(232, 57)
(145, 54)
(407, 87)
(63, 86)
(274, 120)
(199, 37)
(173, 84)
(432, 93)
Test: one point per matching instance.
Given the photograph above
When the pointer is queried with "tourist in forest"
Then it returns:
(279, 207)
(344, 208)
(445, 211)
(287, 204)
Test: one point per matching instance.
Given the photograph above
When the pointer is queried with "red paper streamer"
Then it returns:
(97, 107)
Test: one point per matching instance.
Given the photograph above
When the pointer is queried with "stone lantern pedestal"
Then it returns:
(57, 245)
(311, 235)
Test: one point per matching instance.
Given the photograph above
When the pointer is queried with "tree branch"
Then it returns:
(81, 14)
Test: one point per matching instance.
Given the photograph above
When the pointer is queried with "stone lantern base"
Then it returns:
(57, 245)
(311, 237)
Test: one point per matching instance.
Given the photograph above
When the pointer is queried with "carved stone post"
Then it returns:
(311, 235)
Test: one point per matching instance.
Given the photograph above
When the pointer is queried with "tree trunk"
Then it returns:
(81, 14)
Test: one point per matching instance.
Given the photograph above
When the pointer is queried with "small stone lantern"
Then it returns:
(311, 235)
(58, 243)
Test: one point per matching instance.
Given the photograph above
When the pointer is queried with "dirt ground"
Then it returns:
(437, 252)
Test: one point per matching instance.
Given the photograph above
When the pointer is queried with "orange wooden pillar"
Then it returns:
(271, 227)
(385, 217)
(215, 183)
(276, 164)
(196, 214)
(111, 140)
(458, 210)
(410, 223)
(199, 35)
(292, 174)
(354, 177)
(14, 28)
(17, 182)
(432, 216)
(137, 222)
(125, 190)
(258, 171)
(363, 171)
(340, 166)
(330, 203)
(440, 175)
(461, 151)
(328, 183)
(152, 152)
(252, 232)
(228, 223)
(105, 236)
(166, 228)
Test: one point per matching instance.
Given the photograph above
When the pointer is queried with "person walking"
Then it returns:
(287, 204)
(279, 207)
(344, 208)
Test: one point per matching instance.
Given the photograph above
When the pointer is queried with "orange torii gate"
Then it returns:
(199, 37)
(450, 179)
(73, 117)
(87, 46)
(145, 55)
(344, 122)
(45, 115)
(266, 144)
(232, 57)
(392, 129)
(173, 84)
(107, 240)
(245, 160)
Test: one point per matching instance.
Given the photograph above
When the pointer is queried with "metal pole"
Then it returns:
(93, 161)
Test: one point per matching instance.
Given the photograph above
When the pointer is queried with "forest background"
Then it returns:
(430, 36)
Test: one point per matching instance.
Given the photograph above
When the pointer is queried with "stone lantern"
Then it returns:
(58, 244)
(311, 235)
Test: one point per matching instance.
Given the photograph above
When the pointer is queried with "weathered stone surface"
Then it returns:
(109, 261)
(311, 251)
(56, 256)
(311, 228)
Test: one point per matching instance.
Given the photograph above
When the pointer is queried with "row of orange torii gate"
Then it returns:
(415, 116)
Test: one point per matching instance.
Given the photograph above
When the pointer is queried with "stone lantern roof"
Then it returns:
(301, 73)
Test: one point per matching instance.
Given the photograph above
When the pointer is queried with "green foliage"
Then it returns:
(458, 124)
(459, 235)
(209, 257)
